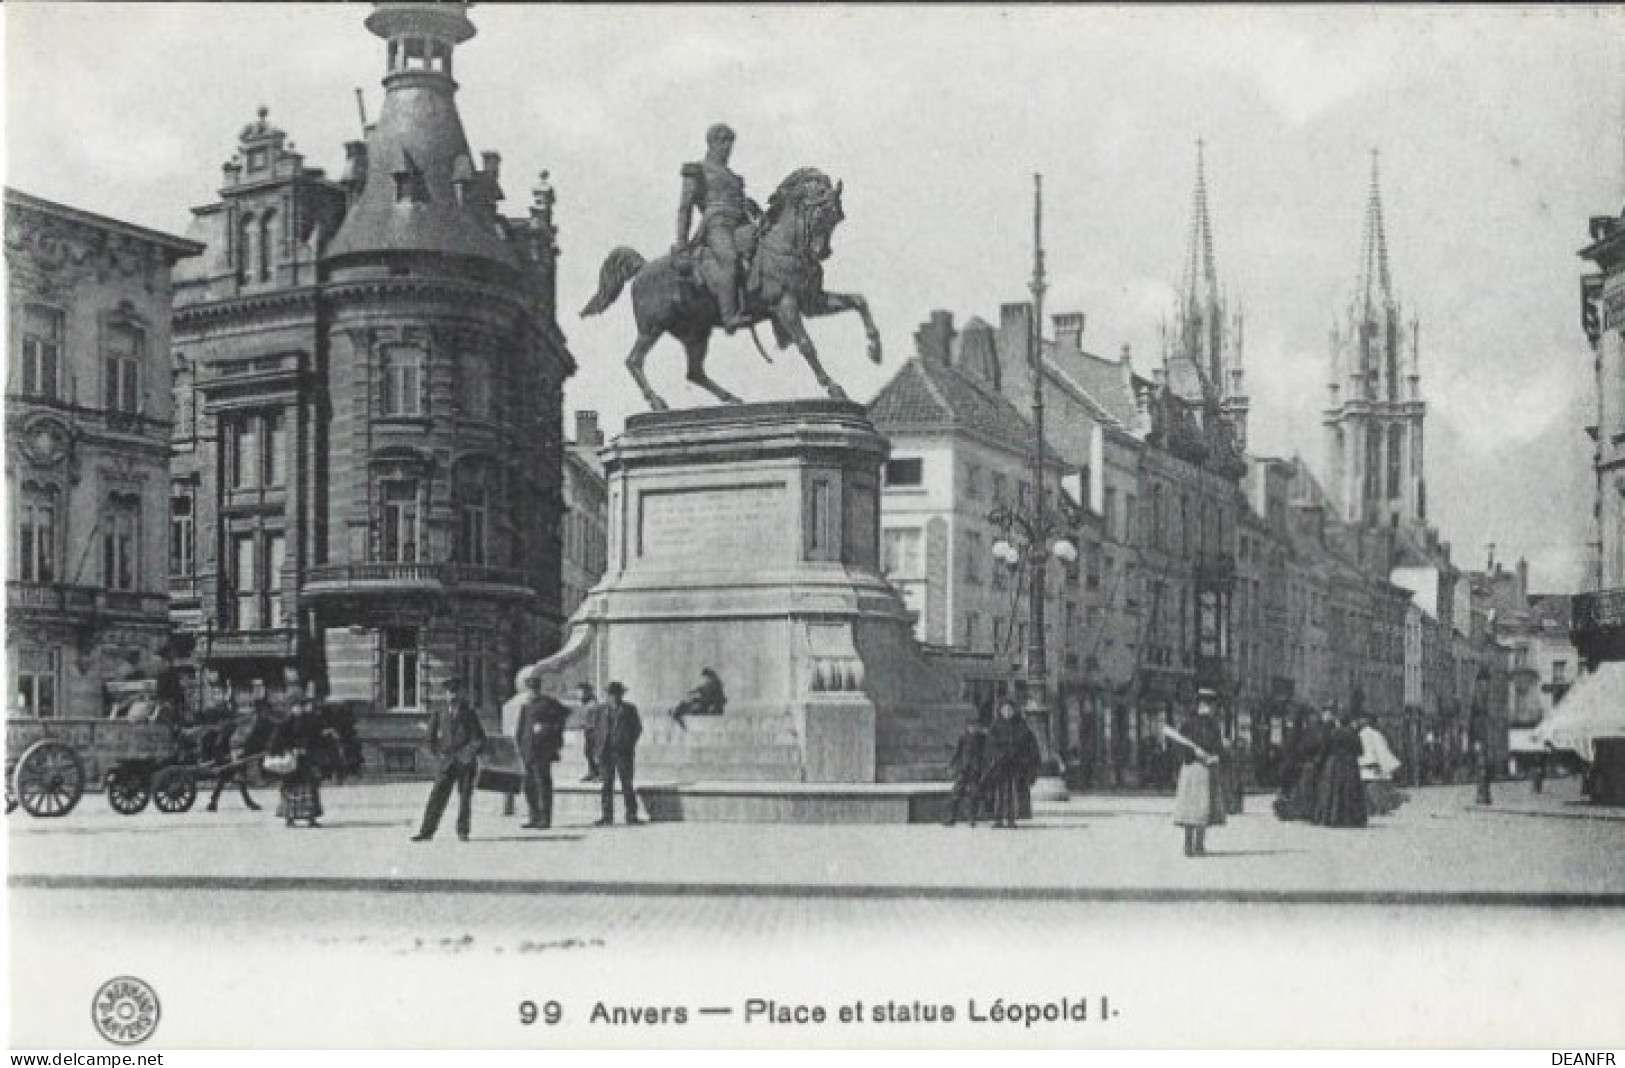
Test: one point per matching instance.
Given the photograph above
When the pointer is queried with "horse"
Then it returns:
(784, 285)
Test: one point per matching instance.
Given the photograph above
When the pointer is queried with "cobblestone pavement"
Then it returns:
(1437, 844)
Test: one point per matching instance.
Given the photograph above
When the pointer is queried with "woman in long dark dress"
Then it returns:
(1012, 760)
(1198, 803)
(1339, 794)
(1297, 800)
(301, 734)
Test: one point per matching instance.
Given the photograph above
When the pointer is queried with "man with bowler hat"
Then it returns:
(539, 736)
(617, 742)
(456, 736)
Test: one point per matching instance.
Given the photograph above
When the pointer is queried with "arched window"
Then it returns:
(1395, 435)
(37, 534)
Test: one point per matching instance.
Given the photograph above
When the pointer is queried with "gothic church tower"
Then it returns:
(1375, 410)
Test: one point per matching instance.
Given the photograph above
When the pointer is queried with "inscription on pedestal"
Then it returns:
(719, 527)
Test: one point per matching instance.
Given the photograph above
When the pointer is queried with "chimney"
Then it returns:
(491, 164)
(935, 338)
(1068, 331)
(587, 432)
(355, 167)
(1523, 582)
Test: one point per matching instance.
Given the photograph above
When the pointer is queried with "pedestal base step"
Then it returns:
(767, 802)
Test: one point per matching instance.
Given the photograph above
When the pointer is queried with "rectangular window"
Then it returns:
(182, 537)
(244, 583)
(276, 547)
(275, 435)
(973, 482)
(126, 347)
(472, 666)
(1131, 519)
(400, 541)
(1109, 512)
(974, 553)
(909, 471)
(901, 554)
(972, 625)
(471, 534)
(476, 387)
(1560, 672)
(119, 548)
(403, 381)
(1001, 490)
(243, 431)
(42, 352)
(401, 669)
(37, 685)
(36, 539)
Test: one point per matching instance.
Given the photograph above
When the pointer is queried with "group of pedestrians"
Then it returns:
(536, 720)
(1340, 773)
(994, 766)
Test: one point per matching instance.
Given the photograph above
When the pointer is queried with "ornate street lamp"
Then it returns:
(1031, 534)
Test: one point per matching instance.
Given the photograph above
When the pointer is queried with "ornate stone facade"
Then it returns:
(373, 381)
(87, 426)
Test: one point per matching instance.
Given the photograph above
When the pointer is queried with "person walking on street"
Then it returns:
(1482, 768)
(248, 739)
(457, 737)
(968, 763)
(1197, 801)
(1377, 767)
(301, 733)
(618, 735)
(1012, 763)
(1339, 794)
(510, 723)
(592, 725)
(539, 736)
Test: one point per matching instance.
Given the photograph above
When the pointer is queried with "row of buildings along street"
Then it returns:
(325, 439)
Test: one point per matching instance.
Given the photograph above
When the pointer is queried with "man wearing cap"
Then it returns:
(617, 742)
(456, 736)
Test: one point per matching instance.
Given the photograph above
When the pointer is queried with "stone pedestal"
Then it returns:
(747, 539)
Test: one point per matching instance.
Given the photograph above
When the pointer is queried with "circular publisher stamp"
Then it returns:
(125, 1010)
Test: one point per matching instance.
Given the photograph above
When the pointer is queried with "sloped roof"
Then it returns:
(927, 395)
(1099, 381)
(1551, 608)
(419, 135)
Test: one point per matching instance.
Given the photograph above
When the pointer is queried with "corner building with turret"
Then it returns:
(369, 378)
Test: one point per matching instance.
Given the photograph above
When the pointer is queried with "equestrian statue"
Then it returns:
(740, 267)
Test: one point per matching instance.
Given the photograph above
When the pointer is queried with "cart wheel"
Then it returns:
(49, 779)
(174, 789)
(128, 791)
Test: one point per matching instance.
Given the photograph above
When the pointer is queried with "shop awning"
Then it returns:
(1593, 708)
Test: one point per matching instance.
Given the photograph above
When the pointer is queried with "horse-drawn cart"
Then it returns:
(50, 763)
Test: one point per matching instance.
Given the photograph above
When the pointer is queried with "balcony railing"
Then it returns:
(59, 597)
(352, 577)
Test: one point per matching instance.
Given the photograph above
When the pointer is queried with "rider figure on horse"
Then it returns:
(727, 223)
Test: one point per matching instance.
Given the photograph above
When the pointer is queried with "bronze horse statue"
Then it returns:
(784, 284)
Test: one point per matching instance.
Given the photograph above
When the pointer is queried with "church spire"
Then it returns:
(1375, 283)
(1201, 276)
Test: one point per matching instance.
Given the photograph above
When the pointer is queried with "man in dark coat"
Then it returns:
(968, 764)
(456, 736)
(617, 743)
(592, 718)
(539, 737)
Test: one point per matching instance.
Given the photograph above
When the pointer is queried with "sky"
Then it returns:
(1501, 131)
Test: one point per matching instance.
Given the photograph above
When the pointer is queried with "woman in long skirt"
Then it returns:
(1197, 801)
(1339, 795)
(300, 734)
(1012, 759)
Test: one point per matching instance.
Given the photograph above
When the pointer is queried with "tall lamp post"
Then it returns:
(1032, 533)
